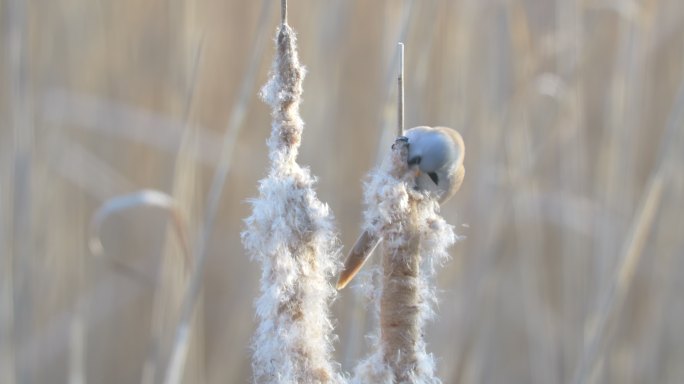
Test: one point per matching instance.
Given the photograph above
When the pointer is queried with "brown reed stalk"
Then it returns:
(415, 240)
(399, 304)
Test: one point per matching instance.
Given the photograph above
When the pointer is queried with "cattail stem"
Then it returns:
(415, 239)
(290, 233)
(283, 11)
(400, 323)
(399, 305)
(400, 81)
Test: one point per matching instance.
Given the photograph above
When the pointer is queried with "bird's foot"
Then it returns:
(400, 140)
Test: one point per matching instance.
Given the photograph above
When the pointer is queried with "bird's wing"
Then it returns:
(362, 249)
(456, 176)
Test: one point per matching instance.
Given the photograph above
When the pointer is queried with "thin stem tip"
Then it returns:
(283, 11)
(400, 80)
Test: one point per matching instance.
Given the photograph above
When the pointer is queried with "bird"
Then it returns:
(438, 154)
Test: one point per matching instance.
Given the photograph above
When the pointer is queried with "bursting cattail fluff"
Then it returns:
(416, 239)
(290, 232)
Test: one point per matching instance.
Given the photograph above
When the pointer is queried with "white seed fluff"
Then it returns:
(290, 232)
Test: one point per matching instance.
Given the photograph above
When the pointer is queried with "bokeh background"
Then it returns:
(571, 266)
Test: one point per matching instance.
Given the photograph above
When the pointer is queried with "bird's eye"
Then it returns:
(415, 161)
(434, 177)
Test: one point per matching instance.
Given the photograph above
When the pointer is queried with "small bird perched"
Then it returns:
(438, 154)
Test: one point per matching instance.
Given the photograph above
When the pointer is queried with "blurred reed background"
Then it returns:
(572, 266)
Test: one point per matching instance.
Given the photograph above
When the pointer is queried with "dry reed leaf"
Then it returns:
(143, 198)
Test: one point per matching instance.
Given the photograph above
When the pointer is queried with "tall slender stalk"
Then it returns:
(290, 232)
(400, 88)
(387, 132)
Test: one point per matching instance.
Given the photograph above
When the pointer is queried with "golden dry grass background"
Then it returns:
(572, 263)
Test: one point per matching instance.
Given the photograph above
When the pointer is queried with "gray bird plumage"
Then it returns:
(438, 153)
